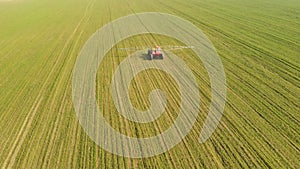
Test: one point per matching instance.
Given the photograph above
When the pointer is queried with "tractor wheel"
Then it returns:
(151, 57)
(161, 56)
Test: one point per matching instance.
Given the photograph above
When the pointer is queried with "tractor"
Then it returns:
(155, 53)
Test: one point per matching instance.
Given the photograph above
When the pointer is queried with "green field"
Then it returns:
(258, 42)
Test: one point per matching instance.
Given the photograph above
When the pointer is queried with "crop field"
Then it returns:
(258, 43)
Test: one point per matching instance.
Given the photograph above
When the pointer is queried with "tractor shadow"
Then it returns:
(144, 56)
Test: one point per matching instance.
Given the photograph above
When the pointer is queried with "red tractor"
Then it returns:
(155, 53)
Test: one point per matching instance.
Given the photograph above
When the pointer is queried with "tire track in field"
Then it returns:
(44, 85)
(241, 132)
(261, 81)
(271, 87)
(60, 83)
(39, 96)
(266, 119)
(65, 97)
(10, 159)
(192, 161)
(24, 102)
(280, 62)
(128, 130)
(253, 22)
(267, 106)
(157, 124)
(137, 132)
(120, 121)
(189, 152)
(273, 142)
(111, 118)
(40, 92)
(242, 148)
(168, 156)
(249, 123)
(268, 100)
(171, 160)
(19, 52)
(106, 108)
(154, 83)
(204, 87)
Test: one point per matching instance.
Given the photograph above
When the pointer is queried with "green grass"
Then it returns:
(258, 42)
